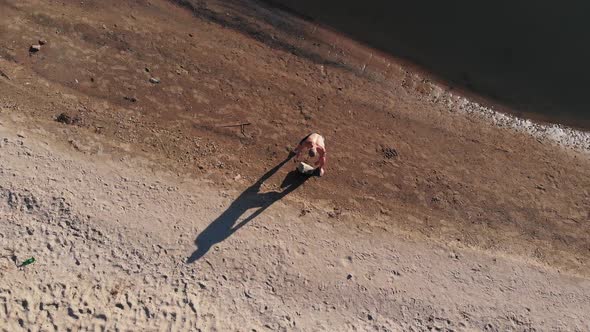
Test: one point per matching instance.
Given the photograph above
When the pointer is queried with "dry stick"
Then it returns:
(366, 63)
(3, 74)
(241, 125)
(335, 48)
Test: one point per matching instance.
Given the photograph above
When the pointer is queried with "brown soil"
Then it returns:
(228, 62)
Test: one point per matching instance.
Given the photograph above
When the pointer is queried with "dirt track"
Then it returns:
(454, 180)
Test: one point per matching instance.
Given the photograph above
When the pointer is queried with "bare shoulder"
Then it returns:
(319, 139)
(315, 138)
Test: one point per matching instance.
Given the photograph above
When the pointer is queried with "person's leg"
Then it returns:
(316, 172)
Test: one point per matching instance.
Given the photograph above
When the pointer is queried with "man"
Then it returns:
(315, 146)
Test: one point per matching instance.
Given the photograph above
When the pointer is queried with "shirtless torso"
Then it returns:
(314, 145)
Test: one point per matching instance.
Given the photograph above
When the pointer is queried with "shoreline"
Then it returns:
(430, 200)
(556, 133)
(564, 130)
(466, 102)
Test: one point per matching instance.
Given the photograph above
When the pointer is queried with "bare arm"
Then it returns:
(321, 161)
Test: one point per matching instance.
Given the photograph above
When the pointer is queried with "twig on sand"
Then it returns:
(3, 74)
(241, 125)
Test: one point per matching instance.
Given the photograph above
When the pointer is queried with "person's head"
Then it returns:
(312, 152)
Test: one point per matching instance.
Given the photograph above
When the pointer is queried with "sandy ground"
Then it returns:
(111, 237)
(144, 212)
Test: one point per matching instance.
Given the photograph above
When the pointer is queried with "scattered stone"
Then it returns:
(25, 304)
(237, 177)
(335, 214)
(72, 314)
(304, 212)
(154, 80)
(323, 70)
(35, 48)
(66, 119)
(63, 118)
(369, 317)
(389, 152)
(120, 306)
(540, 187)
(42, 41)
(147, 69)
(348, 277)
(131, 99)
(101, 317)
(20, 134)
(78, 146)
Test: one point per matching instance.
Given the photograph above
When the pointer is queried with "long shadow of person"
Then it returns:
(223, 227)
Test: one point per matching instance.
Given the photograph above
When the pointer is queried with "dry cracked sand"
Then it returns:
(144, 214)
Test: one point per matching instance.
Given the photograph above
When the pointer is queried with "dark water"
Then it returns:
(532, 56)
